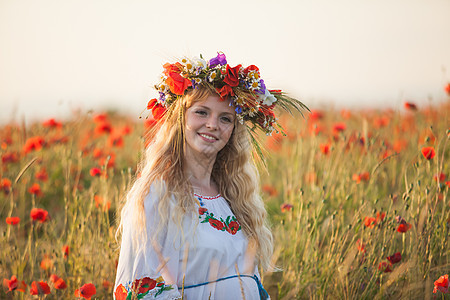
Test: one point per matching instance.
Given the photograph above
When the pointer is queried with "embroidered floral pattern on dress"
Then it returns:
(230, 224)
(140, 288)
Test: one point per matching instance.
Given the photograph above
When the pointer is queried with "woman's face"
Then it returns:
(209, 124)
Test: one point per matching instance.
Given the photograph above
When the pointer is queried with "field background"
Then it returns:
(337, 187)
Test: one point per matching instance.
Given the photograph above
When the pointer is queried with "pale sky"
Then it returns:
(60, 55)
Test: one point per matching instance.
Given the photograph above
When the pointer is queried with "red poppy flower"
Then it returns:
(5, 185)
(370, 222)
(35, 189)
(109, 159)
(251, 68)
(51, 123)
(402, 228)
(14, 285)
(270, 190)
(202, 210)
(46, 263)
(361, 246)
(410, 106)
(177, 83)
(232, 75)
(325, 148)
(364, 176)
(428, 152)
(381, 122)
(12, 220)
(158, 110)
(145, 284)
(86, 291)
(439, 177)
(447, 88)
(10, 157)
(115, 140)
(225, 91)
(395, 258)
(441, 284)
(216, 224)
(42, 175)
(172, 68)
(58, 282)
(100, 118)
(33, 144)
(39, 214)
(39, 288)
(106, 284)
(286, 207)
(103, 127)
(380, 216)
(101, 203)
(65, 250)
(315, 115)
(385, 267)
(126, 130)
(95, 172)
(339, 127)
(346, 114)
(233, 227)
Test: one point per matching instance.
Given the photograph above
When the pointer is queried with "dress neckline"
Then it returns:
(207, 197)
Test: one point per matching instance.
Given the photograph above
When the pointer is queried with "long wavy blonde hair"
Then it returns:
(233, 171)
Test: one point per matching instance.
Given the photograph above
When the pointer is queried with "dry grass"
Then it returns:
(374, 165)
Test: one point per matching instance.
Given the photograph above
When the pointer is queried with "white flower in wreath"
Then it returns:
(199, 63)
(267, 99)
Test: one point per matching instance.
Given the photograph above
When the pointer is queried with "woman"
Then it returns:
(194, 225)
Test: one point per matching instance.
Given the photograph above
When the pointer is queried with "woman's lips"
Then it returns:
(208, 137)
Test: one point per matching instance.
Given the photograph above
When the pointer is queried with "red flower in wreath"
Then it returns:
(232, 75)
(216, 224)
(251, 68)
(172, 68)
(224, 91)
(157, 109)
(233, 227)
(177, 83)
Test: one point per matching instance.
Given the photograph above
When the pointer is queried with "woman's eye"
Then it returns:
(226, 119)
(201, 112)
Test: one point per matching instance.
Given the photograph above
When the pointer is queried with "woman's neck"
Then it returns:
(198, 171)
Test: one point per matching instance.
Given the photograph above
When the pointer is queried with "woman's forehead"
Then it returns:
(214, 102)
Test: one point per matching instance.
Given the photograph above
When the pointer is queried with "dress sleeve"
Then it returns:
(150, 272)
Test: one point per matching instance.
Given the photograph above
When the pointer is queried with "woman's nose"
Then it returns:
(211, 123)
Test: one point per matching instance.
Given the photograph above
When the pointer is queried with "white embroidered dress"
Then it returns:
(215, 247)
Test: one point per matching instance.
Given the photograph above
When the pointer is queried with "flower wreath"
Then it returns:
(243, 86)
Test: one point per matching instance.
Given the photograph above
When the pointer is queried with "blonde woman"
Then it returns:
(193, 225)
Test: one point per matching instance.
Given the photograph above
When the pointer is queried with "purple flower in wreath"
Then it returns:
(162, 96)
(220, 59)
(262, 89)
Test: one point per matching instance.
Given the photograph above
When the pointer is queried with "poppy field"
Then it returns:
(357, 200)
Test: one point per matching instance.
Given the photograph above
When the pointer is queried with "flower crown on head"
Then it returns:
(243, 86)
